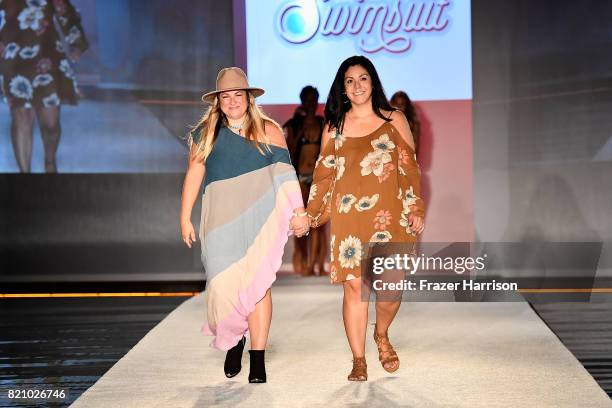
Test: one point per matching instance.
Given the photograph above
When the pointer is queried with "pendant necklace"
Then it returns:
(236, 127)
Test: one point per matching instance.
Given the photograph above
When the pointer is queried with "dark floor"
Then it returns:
(71, 342)
(586, 330)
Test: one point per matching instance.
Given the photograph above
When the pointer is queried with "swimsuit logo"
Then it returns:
(376, 25)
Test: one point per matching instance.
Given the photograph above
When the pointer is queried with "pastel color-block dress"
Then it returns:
(373, 183)
(247, 205)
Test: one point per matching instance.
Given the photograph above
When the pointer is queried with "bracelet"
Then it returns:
(300, 215)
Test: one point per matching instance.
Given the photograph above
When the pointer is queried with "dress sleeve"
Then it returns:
(285, 181)
(321, 190)
(193, 138)
(69, 21)
(409, 181)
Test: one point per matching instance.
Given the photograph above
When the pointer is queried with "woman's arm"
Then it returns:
(322, 179)
(191, 189)
(299, 221)
(69, 21)
(399, 121)
(409, 177)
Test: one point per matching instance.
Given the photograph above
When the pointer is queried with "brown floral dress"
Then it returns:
(366, 186)
(34, 69)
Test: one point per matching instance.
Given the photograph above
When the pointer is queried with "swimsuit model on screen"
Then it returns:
(35, 71)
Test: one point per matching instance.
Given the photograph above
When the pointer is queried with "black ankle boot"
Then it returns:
(233, 359)
(257, 371)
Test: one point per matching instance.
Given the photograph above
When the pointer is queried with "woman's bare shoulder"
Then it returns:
(399, 121)
(328, 131)
(275, 135)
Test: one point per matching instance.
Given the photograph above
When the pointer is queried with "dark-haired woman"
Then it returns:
(402, 102)
(367, 183)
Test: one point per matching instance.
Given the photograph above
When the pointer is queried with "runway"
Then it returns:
(452, 355)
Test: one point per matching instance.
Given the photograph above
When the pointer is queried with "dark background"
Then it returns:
(542, 75)
(155, 44)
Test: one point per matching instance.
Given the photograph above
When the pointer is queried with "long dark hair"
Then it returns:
(338, 103)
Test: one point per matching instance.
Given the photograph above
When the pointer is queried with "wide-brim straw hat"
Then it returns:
(231, 79)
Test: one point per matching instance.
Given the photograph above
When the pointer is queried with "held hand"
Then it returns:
(188, 233)
(300, 225)
(416, 223)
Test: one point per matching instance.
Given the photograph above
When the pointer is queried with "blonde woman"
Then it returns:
(251, 199)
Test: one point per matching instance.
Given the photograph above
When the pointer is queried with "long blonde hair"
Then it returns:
(209, 124)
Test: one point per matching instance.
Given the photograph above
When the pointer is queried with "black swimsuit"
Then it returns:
(303, 141)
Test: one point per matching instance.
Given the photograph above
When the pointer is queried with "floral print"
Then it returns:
(409, 199)
(374, 163)
(312, 194)
(36, 3)
(329, 161)
(29, 52)
(340, 167)
(33, 57)
(403, 157)
(2, 18)
(43, 66)
(66, 68)
(384, 146)
(366, 203)
(349, 252)
(42, 80)
(339, 140)
(345, 203)
(73, 35)
(382, 219)
(406, 224)
(371, 201)
(11, 50)
(386, 173)
(21, 87)
(51, 100)
(30, 18)
(381, 236)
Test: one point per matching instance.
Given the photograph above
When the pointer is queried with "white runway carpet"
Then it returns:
(452, 355)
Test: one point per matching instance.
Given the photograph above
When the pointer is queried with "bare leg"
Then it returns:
(301, 262)
(299, 255)
(50, 130)
(259, 322)
(355, 315)
(22, 120)
(387, 305)
(318, 248)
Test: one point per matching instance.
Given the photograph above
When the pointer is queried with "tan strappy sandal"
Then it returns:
(386, 353)
(359, 371)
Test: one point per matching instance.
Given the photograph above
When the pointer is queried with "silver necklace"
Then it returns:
(235, 127)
